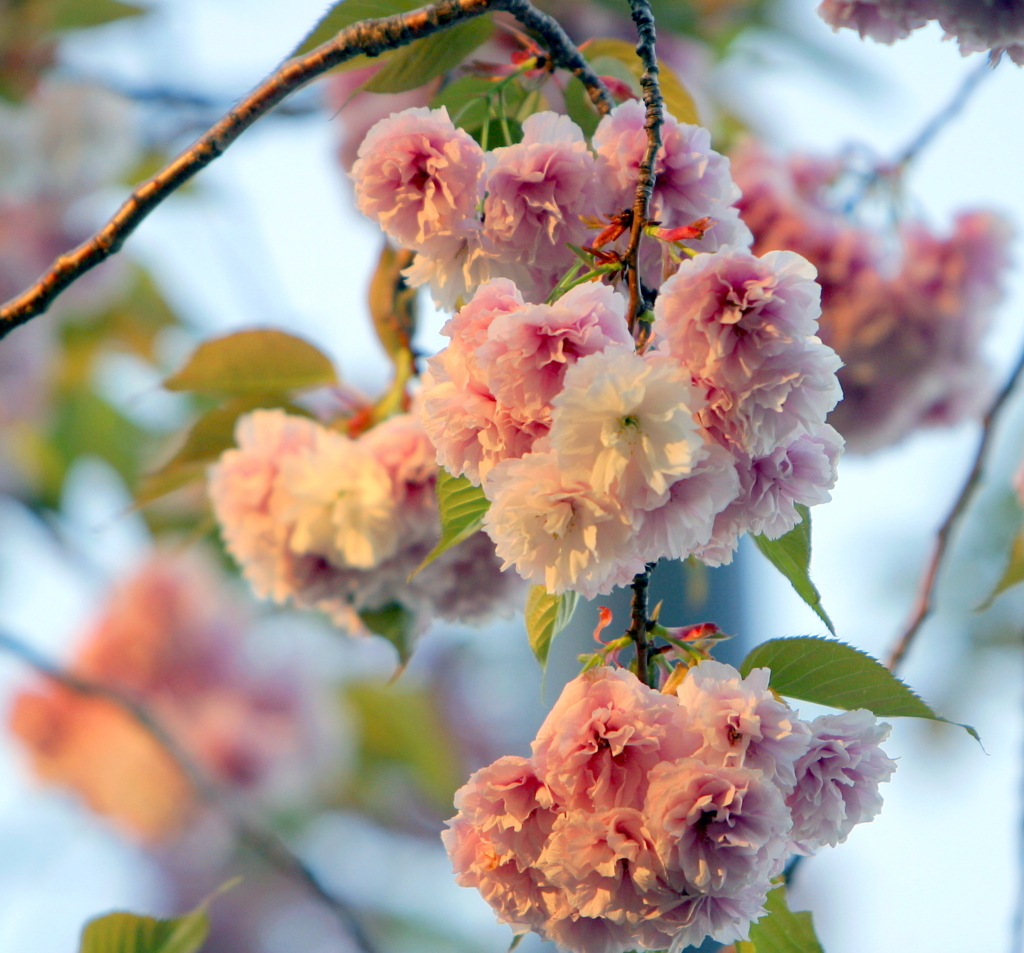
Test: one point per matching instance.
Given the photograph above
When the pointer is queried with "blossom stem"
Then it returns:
(372, 37)
(925, 602)
(640, 625)
(263, 843)
(651, 85)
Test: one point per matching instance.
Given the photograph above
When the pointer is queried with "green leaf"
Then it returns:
(422, 60)
(546, 616)
(79, 14)
(345, 13)
(791, 555)
(783, 931)
(396, 624)
(404, 727)
(579, 107)
(678, 101)
(466, 101)
(1013, 574)
(829, 672)
(253, 362)
(131, 933)
(462, 507)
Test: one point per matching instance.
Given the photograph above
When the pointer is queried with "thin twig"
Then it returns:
(371, 37)
(928, 131)
(640, 624)
(925, 603)
(649, 82)
(263, 843)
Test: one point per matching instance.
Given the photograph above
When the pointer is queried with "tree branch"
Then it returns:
(925, 602)
(640, 624)
(263, 843)
(372, 37)
(650, 83)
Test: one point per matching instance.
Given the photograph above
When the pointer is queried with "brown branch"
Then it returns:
(640, 624)
(263, 843)
(372, 37)
(925, 602)
(649, 82)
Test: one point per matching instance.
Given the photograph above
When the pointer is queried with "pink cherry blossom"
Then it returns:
(837, 779)
(528, 351)
(742, 723)
(601, 739)
(421, 178)
(627, 422)
(718, 829)
(536, 192)
(556, 529)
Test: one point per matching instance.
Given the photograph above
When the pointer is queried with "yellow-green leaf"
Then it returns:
(791, 555)
(546, 615)
(253, 362)
(782, 930)
(829, 672)
(131, 933)
(1013, 574)
(79, 14)
(678, 101)
(422, 60)
(461, 507)
(345, 13)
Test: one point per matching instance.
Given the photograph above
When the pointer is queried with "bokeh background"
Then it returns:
(268, 237)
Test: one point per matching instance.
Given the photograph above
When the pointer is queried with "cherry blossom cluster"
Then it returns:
(513, 211)
(171, 637)
(598, 459)
(909, 333)
(330, 522)
(658, 820)
(976, 26)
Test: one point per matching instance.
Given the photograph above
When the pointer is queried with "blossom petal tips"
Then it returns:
(420, 177)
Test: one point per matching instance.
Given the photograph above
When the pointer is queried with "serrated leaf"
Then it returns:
(1012, 575)
(461, 507)
(791, 555)
(131, 933)
(782, 930)
(80, 14)
(345, 13)
(396, 624)
(829, 672)
(678, 101)
(546, 615)
(246, 363)
(425, 59)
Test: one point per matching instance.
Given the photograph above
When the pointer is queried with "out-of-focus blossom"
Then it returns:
(908, 332)
(651, 820)
(340, 525)
(837, 779)
(977, 26)
(173, 639)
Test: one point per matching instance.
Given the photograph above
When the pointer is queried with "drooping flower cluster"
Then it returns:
(909, 334)
(172, 638)
(656, 820)
(976, 26)
(338, 524)
(511, 212)
(597, 459)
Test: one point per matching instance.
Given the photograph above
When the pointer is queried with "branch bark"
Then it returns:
(653, 100)
(639, 627)
(924, 605)
(372, 37)
(263, 843)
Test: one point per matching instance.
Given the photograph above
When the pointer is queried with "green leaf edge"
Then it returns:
(753, 660)
(561, 609)
(448, 539)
